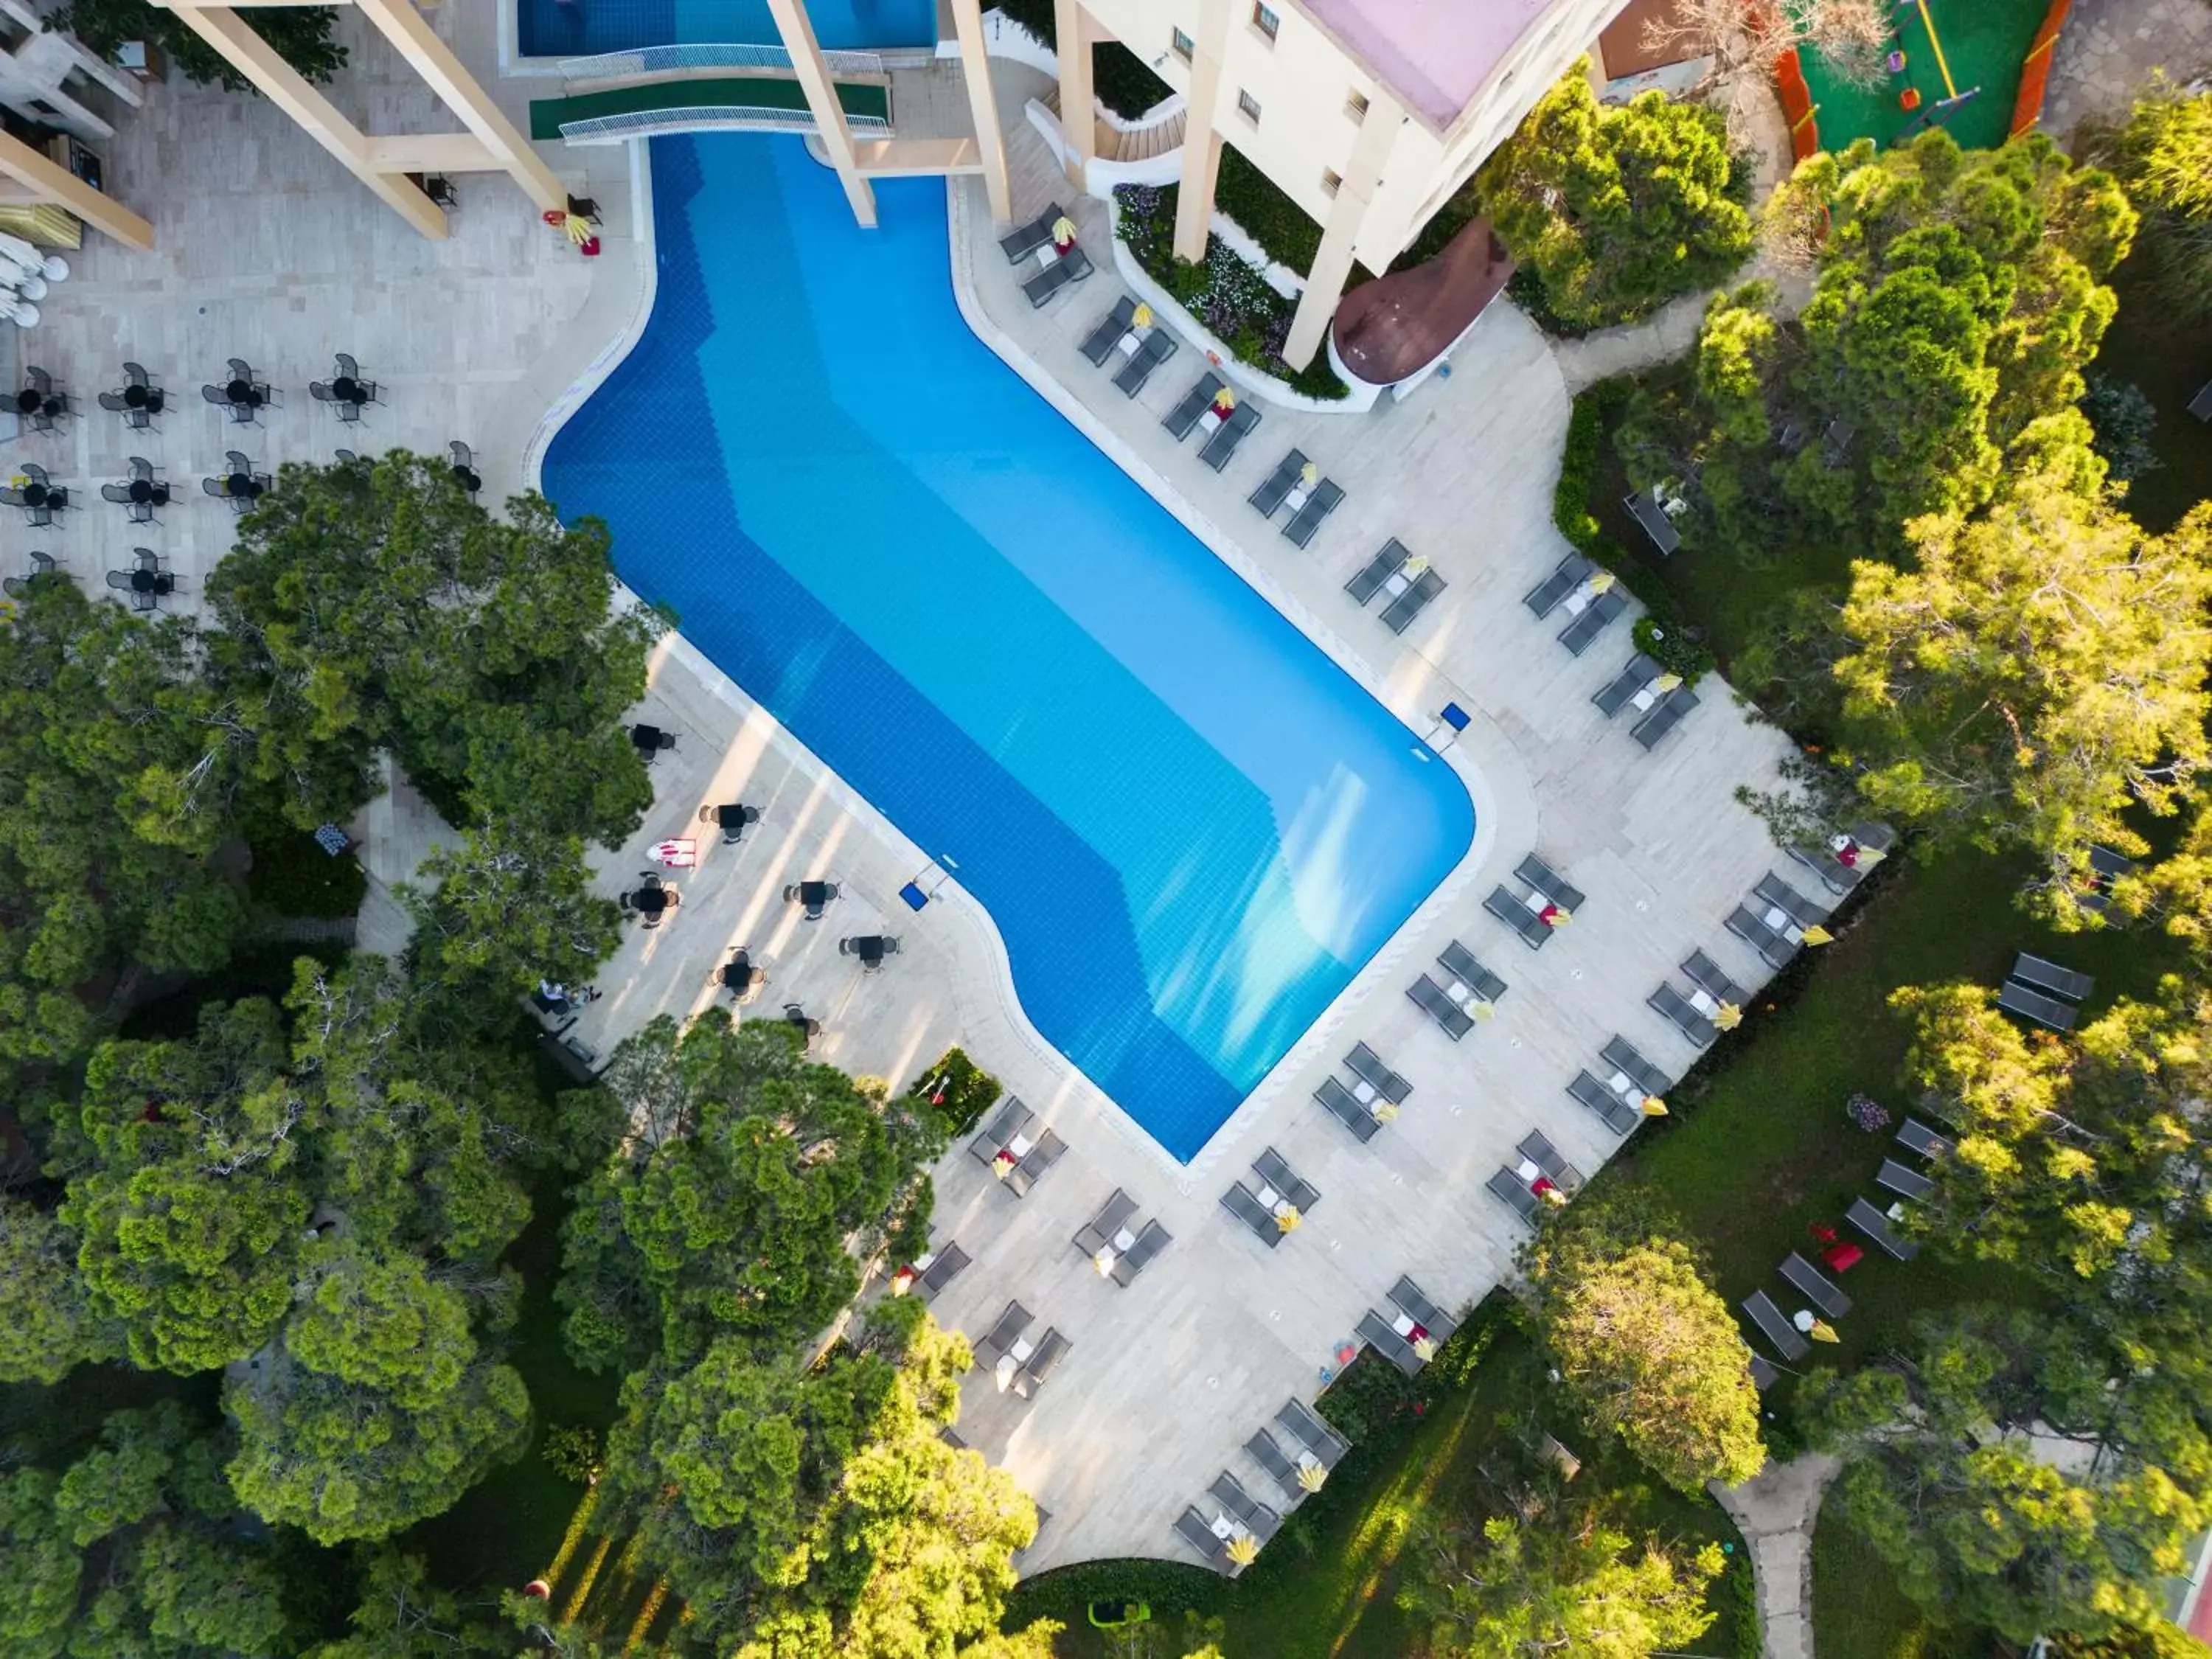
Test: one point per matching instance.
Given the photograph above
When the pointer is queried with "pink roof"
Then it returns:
(1433, 54)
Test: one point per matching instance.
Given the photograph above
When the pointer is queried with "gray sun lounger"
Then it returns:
(1417, 1307)
(1184, 416)
(1619, 1052)
(1640, 672)
(1347, 1110)
(1643, 506)
(1013, 1119)
(1244, 1204)
(1544, 598)
(1905, 1182)
(1307, 520)
(1367, 1065)
(1788, 900)
(1097, 1234)
(1192, 1527)
(1686, 1020)
(1875, 1225)
(1305, 1425)
(1822, 1292)
(1918, 1136)
(1268, 497)
(1459, 962)
(1540, 1151)
(1271, 1457)
(1129, 1263)
(1025, 240)
(1705, 974)
(1762, 1374)
(2029, 1003)
(2049, 976)
(1398, 616)
(1099, 344)
(943, 1267)
(1229, 434)
(1838, 877)
(1377, 570)
(1516, 1193)
(1509, 907)
(1618, 1115)
(1071, 268)
(1376, 1331)
(1781, 1334)
(1578, 634)
(1275, 1170)
(1158, 346)
(1664, 718)
(1228, 1492)
(1039, 1158)
(1052, 1348)
(1002, 1335)
(1753, 930)
(1432, 1000)
(1550, 882)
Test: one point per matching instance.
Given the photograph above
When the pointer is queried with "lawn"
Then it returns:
(2169, 359)
(1858, 1611)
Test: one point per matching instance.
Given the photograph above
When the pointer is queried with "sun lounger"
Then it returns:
(1229, 1493)
(950, 1438)
(1618, 1115)
(1071, 268)
(1762, 1374)
(1687, 1020)
(1347, 1110)
(1516, 1193)
(1242, 1203)
(1150, 1241)
(2110, 865)
(1431, 999)
(1268, 497)
(1376, 1331)
(1540, 1151)
(1544, 598)
(1620, 1052)
(1229, 434)
(943, 1267)
(1459, 962)
(1305, 1425)
(1097, 1234)
(1905, 1182)
(1051, 1349)
(1038, 1159)
(2029, 1003)
(1272, 1458)
(1818, 1288)
(1398, 616)
(2049, 976)
(1664, 718)
(1417, 1307)
(1578, 634)
(1158, 346)
(1025, 240)
(1837, 877)
(1194, 1530)
(1644, 506)
(1367, 1065)
(1550, 882)
(1640, 672)
(1705, 974)
(2201, 404)
(1099, 344)
(1918, 1136)
(1753, 930)
(1002, 1335)
(1784, 1337)
(1875, 1225)
(1509, 907)
(1377, 571)
(1271, 1169)
(1184, 416)
(1299, 532)
(1014, 1118)
(1783, 897)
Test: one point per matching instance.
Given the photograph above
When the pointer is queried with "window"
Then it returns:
(1248, 105)
(1355, 106)
(1264, 20)
(1183, 45)
(1331, 181)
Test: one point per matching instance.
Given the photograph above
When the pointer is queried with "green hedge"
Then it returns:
(1121, 80)
(1166, 1587)
(963, 1091)
(1284, 230)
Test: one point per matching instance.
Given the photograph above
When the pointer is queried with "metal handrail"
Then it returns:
(744, 116)
(656, 60)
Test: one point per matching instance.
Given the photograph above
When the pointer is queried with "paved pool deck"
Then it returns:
(284, 259)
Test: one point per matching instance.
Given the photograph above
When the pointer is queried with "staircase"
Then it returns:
(1113, 144)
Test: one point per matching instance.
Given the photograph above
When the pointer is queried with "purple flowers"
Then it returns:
(1867, 1113)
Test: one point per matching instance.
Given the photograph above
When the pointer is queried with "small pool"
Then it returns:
(1191, 827)
(583, 28)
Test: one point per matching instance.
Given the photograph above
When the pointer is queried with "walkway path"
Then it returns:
(1774, 1513)
(1661, 337)
(2109, 48)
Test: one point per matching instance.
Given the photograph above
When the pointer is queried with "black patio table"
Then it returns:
(242, 483)
(730, 817)
(645, 737)
(651, 899)
(29, 399)
(36, 494)
(738, 971)
(813, 894)
(869, 948)
(241, 392)
(141, 489)
(469, 480)
(152, 581)
(140, 397)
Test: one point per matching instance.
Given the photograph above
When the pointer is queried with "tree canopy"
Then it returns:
(2162, 155)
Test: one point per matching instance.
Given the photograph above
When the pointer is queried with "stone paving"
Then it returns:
(1776, 1512)
(2108, 49)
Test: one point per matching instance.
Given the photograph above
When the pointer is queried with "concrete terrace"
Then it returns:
(285, 259)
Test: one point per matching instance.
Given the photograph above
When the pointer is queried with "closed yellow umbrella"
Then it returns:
(1063, 229)
(1653, 1107)
(1141, 317)
(1386, 1113)
(1667, 682)
(1603, 580)
(1556, 915)
(579, 228)
(1312, 1476)
(1243, 1549)
(1288, 1220)
(1818, 935)
(1309, 474)
(1483, 1010)
(1424, 1350)
(1554, 1197)
(1822, 1331)
(1729, 1018)
(1225, 398)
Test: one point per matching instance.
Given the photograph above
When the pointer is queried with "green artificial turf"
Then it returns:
(1983, 42)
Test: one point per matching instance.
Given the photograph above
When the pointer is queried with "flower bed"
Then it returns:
(1228, 297)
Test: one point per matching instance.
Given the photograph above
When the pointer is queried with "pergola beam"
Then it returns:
(47, 182)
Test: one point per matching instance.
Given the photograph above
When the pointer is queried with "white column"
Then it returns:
(1378, 132)
(797, 29)
(1201, 139)
(983, 109)
(1078, 121)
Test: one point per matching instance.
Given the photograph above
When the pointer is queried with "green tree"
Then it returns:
(1644, 1346)
(2162, 154)
(300, 35)
(402, 1614)
(50, 1328)
(1617, 209)
(509, 908)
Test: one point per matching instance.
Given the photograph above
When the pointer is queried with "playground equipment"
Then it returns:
(1909, 97)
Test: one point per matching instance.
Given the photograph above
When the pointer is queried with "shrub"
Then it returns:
(1285, 230)
(1674, 645)
(1166, 1587)
(1118, 75)
(574, 1452)
(2122, 419)
(958, 1091)
(292, 876)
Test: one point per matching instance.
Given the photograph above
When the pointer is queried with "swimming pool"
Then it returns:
(582, 28)
(1190, 827)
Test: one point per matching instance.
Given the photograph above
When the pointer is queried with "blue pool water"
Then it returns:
(582, 28)
(1189, 825)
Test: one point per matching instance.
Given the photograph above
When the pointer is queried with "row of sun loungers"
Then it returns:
(1391, 573)
(1016, 1149)
(1774, 920)
(1418, 1323)
(1636, 687)
(1123, 1252)
(1591, 597)
(1538, 1161)
(2045, 992)
(1280, 1192)
(1693, 1014)
(1142, 349)
(1468, 986)
(1309, 504)
(1628, 1080)
(1228, 1513)
(1524, 915)
(1024, 1366)
(1826, 862)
